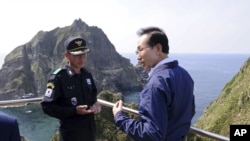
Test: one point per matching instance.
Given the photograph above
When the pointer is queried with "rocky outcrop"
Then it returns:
(26, 69)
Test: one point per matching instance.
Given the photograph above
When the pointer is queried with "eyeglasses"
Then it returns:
(140, 50)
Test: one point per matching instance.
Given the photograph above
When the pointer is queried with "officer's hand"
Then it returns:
(96, 107)
(117, 107)
(82, 110)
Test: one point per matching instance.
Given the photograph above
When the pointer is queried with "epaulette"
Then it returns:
(56, 71)
(52, 76)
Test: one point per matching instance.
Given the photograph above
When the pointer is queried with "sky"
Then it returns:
(192, 26)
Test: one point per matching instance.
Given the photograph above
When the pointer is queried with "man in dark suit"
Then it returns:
(9, 130)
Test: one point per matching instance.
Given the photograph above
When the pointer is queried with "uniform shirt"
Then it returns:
(65, 91)
(166, 106)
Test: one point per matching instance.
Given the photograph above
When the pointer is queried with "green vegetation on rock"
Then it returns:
(231, 107)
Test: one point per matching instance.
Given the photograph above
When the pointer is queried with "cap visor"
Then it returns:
(79, 52)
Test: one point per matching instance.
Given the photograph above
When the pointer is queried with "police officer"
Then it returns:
(71, 95)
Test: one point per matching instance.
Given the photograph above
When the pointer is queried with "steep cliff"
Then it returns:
(26, 69)
(231, 107)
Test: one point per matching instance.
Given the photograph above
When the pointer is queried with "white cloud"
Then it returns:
(192, 26)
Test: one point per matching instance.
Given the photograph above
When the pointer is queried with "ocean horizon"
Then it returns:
(210, 73)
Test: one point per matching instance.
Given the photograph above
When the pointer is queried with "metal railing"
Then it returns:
(109, 104)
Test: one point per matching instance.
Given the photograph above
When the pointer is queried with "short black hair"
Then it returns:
(156, 36)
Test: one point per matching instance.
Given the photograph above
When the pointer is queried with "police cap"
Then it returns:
(76, 46)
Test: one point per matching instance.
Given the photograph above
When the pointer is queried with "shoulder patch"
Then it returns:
(56, 71)
(50, 85)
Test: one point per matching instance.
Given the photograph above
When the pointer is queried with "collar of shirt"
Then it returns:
(71, 71)
(164, 61)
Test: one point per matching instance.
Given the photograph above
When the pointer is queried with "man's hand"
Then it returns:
(82, 110)
(96, 107)
(117, 107)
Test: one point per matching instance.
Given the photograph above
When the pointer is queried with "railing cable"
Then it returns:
(109, 104)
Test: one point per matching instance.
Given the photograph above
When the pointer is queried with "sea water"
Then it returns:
(210, 73)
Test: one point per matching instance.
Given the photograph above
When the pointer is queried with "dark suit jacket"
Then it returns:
(9, 130)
